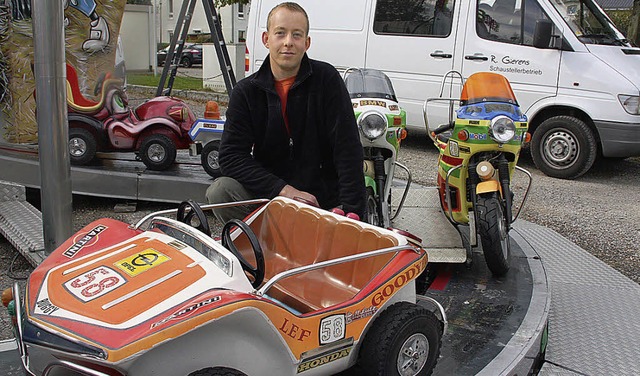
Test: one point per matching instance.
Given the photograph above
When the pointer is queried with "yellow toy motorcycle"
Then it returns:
(479, 150)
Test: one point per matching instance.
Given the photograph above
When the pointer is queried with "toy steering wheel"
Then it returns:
(258, 272)
(188, 217)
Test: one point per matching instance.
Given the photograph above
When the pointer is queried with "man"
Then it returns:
(290, 128)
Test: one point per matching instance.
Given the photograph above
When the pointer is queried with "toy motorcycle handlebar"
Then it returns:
(444, 128)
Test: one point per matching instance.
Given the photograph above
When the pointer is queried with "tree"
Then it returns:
(634, 24)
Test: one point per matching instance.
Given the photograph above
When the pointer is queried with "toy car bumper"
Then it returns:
(51, 364)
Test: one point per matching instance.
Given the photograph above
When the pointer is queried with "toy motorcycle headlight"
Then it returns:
(502, 129)
(372, 124)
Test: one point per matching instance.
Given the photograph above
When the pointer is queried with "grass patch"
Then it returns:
(181, 82)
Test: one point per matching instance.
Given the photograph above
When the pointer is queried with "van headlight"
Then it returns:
(502, 129)
(631, 103)
(372, 124)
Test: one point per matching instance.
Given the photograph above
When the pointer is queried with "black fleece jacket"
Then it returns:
(322, 155)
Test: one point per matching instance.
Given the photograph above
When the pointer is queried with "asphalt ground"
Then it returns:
(600, 211)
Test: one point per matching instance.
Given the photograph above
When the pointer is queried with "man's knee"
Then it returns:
(223, 189)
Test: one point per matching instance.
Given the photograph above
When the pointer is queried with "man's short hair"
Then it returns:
(294, 7)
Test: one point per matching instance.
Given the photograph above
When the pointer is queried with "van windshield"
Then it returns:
(589, 23)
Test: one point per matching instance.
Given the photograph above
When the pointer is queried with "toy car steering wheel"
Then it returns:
(194, 210)
(258, 272)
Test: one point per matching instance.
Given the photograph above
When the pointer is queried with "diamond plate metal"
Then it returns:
(12, 192)
(423, 216)
(593, 324)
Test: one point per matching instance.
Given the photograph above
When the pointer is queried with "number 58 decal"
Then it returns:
(332, 328)
(94, 283)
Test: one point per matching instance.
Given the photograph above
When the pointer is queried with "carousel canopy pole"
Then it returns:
(53, 133)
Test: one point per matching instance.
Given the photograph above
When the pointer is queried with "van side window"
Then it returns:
(508, 21)
(411, 17)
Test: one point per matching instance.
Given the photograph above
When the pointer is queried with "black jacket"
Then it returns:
(326, 156)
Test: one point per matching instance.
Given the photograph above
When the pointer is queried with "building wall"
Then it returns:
(137, 36)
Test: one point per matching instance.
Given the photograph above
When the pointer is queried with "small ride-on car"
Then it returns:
(154, 130)
(325, 293)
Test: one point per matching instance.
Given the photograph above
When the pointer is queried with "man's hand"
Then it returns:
(290, 192)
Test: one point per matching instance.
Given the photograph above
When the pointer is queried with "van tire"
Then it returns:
(563, 147)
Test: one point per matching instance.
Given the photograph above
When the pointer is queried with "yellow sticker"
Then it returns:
(142, 261)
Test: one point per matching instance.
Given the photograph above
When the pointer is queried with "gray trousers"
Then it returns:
(225, 189)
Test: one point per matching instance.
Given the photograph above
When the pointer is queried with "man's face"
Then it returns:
(287, 41)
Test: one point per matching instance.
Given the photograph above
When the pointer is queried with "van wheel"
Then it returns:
(404, 340)
(218, 371)
(209, 159)
(157, 152)
(82, 146)
(563, 147)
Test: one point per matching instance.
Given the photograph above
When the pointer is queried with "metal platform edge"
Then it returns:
(521, 352)
(138, 185)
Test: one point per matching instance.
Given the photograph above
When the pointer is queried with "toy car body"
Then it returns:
(155, 129)
(206, 135)
(171, 300)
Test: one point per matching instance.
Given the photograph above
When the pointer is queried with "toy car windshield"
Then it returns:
(369, 83)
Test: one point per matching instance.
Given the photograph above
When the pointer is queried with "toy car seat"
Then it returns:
(77, 102)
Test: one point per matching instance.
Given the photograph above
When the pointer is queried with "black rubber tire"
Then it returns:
(218, 371)
(564, 147)
(185, 62)
(383, 343)
(372, 216)
(83, 144)
(166, 147)
(209, 159)
(493, 233)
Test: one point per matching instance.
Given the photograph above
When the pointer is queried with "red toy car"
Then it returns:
(154, 129)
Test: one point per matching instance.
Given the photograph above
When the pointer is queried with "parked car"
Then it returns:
(191, 54)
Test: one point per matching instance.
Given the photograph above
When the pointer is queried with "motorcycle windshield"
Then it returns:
(369, 83)
(487, 87)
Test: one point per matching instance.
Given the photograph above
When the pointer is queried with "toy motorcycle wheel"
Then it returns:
(82, 146)
(157, 152)
(494, 235)
(404, 340)
(373, 217)
(209, 159)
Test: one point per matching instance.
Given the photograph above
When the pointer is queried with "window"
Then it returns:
(411, 17)
(170, 9)
(509, 21)
(242, 36)
(240, 11)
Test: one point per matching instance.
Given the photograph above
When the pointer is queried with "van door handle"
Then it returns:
(441, 54)
(476, 57)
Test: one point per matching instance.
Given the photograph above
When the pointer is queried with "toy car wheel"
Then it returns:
(209, 158)
(82, 146)
(185, 62)
(157, 152)
(404, 340)
(218, 371)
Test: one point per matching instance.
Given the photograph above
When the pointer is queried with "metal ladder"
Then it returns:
(178, 39)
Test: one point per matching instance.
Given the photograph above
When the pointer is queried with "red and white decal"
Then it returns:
(94, 283)
(89, 239)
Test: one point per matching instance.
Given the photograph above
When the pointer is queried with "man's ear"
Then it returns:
(307, 43)
(265, 39)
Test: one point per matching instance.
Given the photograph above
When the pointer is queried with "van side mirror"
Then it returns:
(542, 34)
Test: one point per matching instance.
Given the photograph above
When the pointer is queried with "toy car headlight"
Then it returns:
(372, 124)
(502, 129)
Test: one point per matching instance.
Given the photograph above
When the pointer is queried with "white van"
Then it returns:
(573, 73)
